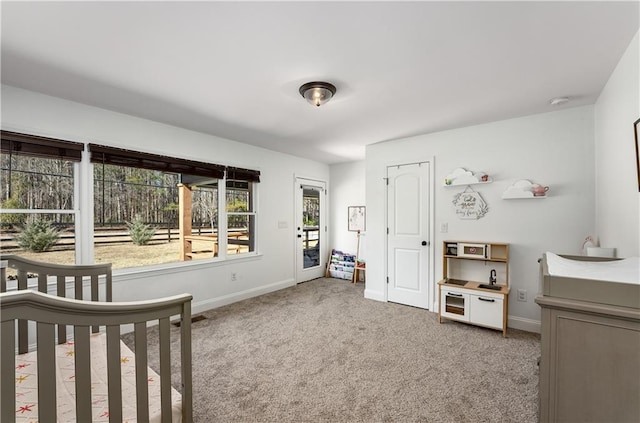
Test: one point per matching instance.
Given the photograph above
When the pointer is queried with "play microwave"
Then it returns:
(474, 250)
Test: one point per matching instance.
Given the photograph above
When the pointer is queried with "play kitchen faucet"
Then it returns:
(492, 277)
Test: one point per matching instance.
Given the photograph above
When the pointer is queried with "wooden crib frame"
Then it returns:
(56, 312)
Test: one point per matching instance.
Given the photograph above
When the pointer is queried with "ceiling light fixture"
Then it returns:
(557, 101)
(317, 93)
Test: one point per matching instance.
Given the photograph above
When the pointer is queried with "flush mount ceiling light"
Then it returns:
(557, 101)
(317, 93)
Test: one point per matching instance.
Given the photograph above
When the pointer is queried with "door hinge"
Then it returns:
(387, 231)
(387, 279)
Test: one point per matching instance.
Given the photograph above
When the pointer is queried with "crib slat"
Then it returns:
(108, 286)
(165, 369)
(22, 279)
(46, 372)
(82, 359)
(8, 370)
(142, 375)
(94, 287)
(185, 358)
(61, 286)
(94, 297)
(3, 279)
(42, 282)
(78, 287)
(114, 374)
(61, 291)
(23, 325)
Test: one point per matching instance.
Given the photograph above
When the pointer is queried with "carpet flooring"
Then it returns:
(320, 352)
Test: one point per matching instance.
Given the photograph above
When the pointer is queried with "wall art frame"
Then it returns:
(357, 218)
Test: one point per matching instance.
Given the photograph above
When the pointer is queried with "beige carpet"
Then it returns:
(320, 352)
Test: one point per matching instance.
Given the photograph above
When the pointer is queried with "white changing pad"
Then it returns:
(27, 382)
(624, 271)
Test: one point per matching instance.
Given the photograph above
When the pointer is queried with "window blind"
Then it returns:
(239, 174)
(34, 145)
(123, 157)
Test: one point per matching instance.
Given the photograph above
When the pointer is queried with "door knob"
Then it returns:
(424, 242)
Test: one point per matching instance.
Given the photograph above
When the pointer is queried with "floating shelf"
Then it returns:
(522, 189)
(461, 176)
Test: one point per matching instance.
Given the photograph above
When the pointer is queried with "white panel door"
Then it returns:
(408, 234)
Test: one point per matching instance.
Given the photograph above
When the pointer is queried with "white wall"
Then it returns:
(210, 283)
(347, 189)
(554, 149)
(617, 205)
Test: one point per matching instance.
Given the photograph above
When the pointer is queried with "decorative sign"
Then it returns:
(470, 205)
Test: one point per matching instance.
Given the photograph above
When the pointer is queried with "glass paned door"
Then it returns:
(310, 229)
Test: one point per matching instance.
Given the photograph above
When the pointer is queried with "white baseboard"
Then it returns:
(522, 323)
(212, 303)
(374, 295)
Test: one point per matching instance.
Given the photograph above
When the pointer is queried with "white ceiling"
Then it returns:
(233, 69)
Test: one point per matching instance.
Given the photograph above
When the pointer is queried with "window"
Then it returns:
(161, 209)
(241, 209)
(38, 213)
(241, 217)
(135, 216)
(200, 216)
(146, 209)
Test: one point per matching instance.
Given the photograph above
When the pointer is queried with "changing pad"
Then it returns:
(623, 271)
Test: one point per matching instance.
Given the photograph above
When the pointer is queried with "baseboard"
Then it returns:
(374, 295)
(201, 306)
(521, 323)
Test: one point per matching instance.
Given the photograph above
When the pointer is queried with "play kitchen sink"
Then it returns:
(486, 286)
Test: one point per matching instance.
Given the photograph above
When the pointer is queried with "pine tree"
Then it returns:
(140, 232)
(38, 236)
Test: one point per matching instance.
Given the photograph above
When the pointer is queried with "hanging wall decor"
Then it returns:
(469, 204)
(357, 220)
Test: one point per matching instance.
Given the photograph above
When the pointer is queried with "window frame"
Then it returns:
(49, 148)
(83, 202)
(254, 212)
(137, 159)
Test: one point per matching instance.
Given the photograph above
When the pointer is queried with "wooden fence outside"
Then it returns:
(115, 234)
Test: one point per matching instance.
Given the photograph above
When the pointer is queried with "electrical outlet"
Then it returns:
(234, 277)
(444, 228)
(522, 295)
